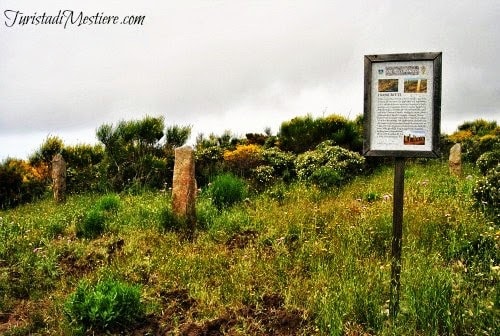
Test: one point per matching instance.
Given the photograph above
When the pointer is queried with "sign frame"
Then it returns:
(410, 58)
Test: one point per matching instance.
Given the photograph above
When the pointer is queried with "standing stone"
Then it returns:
(184, 186)
(455, 160)
(59, 178)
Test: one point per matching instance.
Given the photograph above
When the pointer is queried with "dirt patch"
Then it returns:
(179, 314)
(74, 264)
(25, 318)
(269, 317)
(241, 240)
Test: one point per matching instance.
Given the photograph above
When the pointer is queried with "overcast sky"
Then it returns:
(229, 65)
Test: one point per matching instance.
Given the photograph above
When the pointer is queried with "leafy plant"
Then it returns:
(105, 306)
(109, 202)
(371, 196)
(227, 190)
(92, 224)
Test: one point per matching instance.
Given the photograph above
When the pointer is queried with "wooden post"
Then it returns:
(397, 235)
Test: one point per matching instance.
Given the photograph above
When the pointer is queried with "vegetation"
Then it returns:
(328, 166)
(304, 133)
(487, 193)
(227, 190)
(320, 261)
(108, 305)
(286, 243)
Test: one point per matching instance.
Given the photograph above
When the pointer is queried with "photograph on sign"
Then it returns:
(401, 109)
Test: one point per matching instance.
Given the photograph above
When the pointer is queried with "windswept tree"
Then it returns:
(133, 152)
(177, 136)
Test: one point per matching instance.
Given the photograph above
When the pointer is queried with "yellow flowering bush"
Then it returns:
(243, 159)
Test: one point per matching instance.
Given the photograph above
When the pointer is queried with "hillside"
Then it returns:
(292, 260)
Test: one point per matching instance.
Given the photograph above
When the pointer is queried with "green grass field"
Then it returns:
(292, 260)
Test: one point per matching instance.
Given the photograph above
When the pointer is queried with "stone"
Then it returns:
(59, 178)
(184, 186)
(455, 160)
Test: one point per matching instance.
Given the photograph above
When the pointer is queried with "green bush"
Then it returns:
(304, 133)
(92, 224)
(477, 137)
(83, 171)
(328, 165)
(488, 161)
(227, 190)
(326, 177)
(209, 162)
(487, 193)
(109, 305)
(109, 202)
(281, 162)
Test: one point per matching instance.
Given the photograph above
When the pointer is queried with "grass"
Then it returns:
(324, 255)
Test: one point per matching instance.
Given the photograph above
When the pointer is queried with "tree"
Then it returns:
(132, 152)
(177, 136)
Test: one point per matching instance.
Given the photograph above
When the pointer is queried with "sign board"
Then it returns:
(402, 110)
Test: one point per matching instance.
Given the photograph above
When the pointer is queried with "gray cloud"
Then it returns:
(233, 65)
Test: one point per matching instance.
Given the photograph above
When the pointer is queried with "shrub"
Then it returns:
(109, 305)
(477, 137)
(243, 159)
(328, 165)
(83, 167)
(92, 224)
(209, 161)
(227, 190)
(263, 176)
(304, 133)
(487, 193)
(488, 161)
(10, 186)
(326, 177)
(132, 152)
(281, 162)
(51, 146)
(109, 202)
(21, 182)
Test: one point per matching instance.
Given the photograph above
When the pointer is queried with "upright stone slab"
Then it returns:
(184, 186)
(455, 160)
(59, 178)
